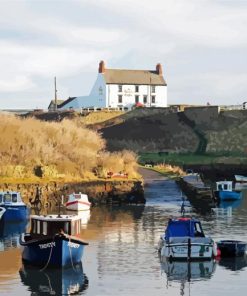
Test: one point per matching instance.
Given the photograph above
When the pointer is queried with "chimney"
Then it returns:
(159, 69)
(102, 67)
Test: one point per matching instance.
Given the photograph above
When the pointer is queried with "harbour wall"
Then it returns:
(99, 192)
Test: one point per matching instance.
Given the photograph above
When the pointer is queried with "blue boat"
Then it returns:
(52, 241)
(184, 239)
(15, 208)
(224, 191)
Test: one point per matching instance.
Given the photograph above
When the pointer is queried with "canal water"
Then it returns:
(122, 258)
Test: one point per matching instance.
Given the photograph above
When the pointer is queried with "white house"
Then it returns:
(115, 88)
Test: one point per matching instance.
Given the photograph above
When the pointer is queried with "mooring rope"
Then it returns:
(49, 258)
(71, 254)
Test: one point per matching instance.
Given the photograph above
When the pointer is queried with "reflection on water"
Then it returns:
(188, 271)
(234, 264)
(122, 257)
(9, 234)
(67, 281)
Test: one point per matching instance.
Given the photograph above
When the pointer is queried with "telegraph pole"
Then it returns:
(55, 84)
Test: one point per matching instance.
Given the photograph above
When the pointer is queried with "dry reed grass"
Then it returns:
(55, 149)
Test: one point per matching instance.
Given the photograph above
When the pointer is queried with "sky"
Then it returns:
(201, 45)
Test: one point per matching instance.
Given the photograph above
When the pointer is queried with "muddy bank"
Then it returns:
(150, 175)
(99, 192)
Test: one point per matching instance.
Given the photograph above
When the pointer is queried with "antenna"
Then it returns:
(55, 84)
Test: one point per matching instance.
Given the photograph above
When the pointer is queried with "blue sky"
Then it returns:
(200, 43)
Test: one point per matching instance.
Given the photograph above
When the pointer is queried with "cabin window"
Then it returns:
(198, 230)
(225, 187)
(33, 226)
(38, 227)
(44, 228)
(7, 197)
(1, 198)
(14, 197)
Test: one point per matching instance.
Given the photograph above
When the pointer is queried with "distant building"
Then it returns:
(52, 106)
(116, 88)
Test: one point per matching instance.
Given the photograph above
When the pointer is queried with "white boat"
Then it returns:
(240, 186)
(78, 202)
(184, 240)
(2, 211)
(241, 179)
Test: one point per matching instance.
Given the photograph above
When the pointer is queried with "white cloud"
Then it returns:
(40, 40)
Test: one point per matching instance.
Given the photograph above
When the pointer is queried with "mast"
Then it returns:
(55, 84)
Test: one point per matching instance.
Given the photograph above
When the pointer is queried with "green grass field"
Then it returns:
(191, 159)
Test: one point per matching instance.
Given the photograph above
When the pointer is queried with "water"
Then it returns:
(122, 258)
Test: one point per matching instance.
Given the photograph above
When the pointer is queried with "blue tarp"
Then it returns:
(179, 228)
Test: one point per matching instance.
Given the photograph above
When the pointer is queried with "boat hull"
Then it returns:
(187, 249)
(2, 211)
(231, 248)
(228, 195)
(59, 251)
(15, 213)
(77, 206)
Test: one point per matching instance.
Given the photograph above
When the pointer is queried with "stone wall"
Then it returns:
(99, 192)
(202, 115)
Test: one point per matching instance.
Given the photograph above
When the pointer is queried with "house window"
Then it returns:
(145, 99)
(153, 89)
(136, 88)
(153, 99)
(120, 99)
(137, 99)
(120, 88)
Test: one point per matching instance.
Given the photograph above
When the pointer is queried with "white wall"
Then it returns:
(103, 95)
(128, 93)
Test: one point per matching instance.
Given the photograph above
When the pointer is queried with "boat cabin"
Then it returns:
(10, 197)
(224, 186)
(53, 224)
(183, 227)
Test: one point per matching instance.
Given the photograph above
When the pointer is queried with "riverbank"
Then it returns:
(99, 192)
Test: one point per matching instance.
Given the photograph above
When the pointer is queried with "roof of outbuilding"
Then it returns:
(137, 77)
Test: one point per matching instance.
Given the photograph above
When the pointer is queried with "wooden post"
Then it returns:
(189, 249)
(55, 84)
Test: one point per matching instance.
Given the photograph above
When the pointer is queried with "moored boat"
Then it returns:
(16, 209)
(240, 178)
(184, 239)
(224, 191)
(231, 248)
(53, 241)
(77, 202)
